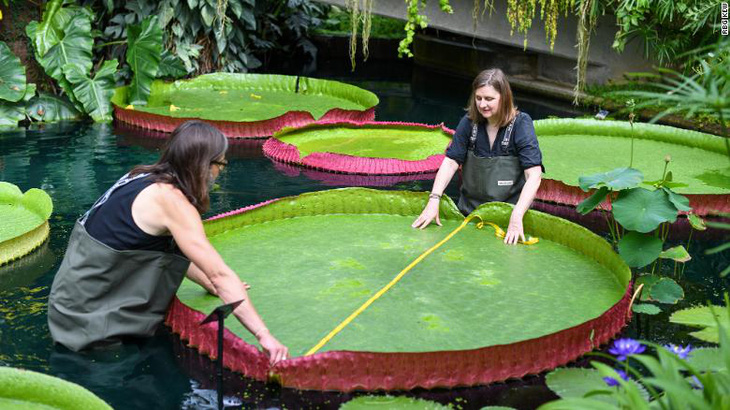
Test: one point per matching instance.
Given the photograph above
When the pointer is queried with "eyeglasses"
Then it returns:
(222, 163)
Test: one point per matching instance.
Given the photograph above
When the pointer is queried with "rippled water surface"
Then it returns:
(76, 162)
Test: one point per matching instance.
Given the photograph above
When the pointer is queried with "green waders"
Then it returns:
(101, 295)
(499, 178)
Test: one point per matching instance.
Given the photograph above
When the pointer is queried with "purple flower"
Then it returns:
(680, 351)
(625, 347)
(613, 382)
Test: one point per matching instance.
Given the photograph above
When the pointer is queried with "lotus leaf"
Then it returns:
(667, 291)
(703, 317)
(391, 403)
(143, 55)
(576, 147)
(639, 250)
(12, 75)
(680, 201)
(356, 240)
(697, 222)
(28, 390)
(646, 308)
(677, 254)
(615, 180)
(250, 97)
(24, 217)
(593, 201)
(641, 210)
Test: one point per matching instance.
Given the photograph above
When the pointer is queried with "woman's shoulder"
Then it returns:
(523, 117)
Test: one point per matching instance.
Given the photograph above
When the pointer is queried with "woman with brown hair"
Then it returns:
(497, 149)
(129, 253)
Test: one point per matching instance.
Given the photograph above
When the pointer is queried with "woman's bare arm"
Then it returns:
(515, 231)
(443, 177)
(186, 227)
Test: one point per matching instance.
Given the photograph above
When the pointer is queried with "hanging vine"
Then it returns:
(416, 20)
(353, 6)
(367, 21)
(475, 11)
(587, 17)
(520, 14)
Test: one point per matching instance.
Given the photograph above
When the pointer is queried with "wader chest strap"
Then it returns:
(505, 140)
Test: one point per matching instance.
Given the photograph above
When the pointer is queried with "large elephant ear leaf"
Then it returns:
(48, 32)
(171, 66)
(12, 75)
(74, 47)
(95, 94)
(11, 114)
(49, 108)
(143, 55)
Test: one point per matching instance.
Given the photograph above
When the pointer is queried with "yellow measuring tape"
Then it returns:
(497, 232)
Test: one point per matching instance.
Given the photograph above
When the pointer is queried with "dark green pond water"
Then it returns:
(75, 163)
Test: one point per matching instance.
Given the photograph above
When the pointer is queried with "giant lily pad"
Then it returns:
(24, 220)
(392, 403)
(246, 105)
(371, 148)
(312, 260)
(28, 390)
(577, 147)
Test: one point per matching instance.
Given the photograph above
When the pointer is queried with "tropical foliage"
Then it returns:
(639, 226)
(14, 91)
(675, 377)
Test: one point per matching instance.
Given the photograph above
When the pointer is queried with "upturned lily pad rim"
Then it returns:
(351, 370)
(26, 385)
(279, 150)
(263, 128)
(35, 201)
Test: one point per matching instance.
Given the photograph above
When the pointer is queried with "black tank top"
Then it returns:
(112, 223)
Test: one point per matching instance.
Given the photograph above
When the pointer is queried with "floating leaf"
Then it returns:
(592, 201)
(616, 180)
(143, 55)
(12, 75)
(677, 254)
(648, 281)
(641, 210)
(639, 250)
(703, 317)
(696, 222)
(646, 308)
(666, 291)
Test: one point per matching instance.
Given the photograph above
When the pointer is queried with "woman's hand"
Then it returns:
(275, 350)
(515, 231)
(430, 212)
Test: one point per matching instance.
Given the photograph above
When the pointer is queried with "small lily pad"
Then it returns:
(677, 254)
(646, 308)
(666, 291)
(639, 250)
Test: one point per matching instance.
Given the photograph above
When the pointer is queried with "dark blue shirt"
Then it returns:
(523, 143)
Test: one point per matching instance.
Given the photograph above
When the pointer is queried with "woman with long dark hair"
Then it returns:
(497, 149)
(129, 253)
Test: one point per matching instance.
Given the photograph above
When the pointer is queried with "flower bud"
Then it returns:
(667, 158)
